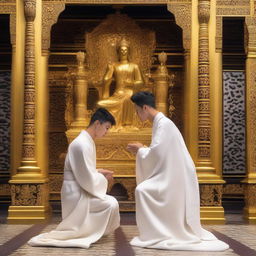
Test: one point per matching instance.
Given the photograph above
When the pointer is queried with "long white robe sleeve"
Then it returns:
(167, 194)
(87, 212)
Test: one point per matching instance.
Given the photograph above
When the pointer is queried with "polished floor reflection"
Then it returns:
(239, 235)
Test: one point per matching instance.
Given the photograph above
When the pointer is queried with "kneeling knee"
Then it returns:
(113, 202)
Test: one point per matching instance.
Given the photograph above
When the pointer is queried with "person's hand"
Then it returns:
(134, 147)
(107, 173)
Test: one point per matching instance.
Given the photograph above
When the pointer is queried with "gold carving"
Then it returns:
(28, 151)
(251, 94)
(182, 11)
(250, 196)
(204, 93)
(8, 1)
(29, 113)
(218, 38)
(9, 7)
(232, 11)
(115, 1)
(55, 182)
(204, 132)
(204, 152)
(29, 97)
(29, 129)
(204, 11)
(234, 7)
(57, 146)
(28, 146)
(233, 2)
(210, 195)
(204, 106)
(162, 83)
(30, 10)
(233, 189)
(77, 91)
(28, 194)
(5, 189)
(250, 186)
(50, 13)
(113, 151)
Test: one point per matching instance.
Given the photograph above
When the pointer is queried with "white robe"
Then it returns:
(87, 212)
(167, 194)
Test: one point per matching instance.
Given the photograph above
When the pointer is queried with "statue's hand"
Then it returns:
(128, 83)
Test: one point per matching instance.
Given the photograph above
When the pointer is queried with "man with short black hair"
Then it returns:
(167, 194)
(87, 212)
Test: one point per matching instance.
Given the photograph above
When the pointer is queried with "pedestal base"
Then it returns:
(28, 214)
(250, 215)
(212, 215)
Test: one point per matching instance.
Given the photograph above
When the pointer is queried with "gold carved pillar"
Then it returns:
(204, 115)
(162, 81)
(80, 92)
(250, 180)
(210, 183)
(81, 115)
(29, 188)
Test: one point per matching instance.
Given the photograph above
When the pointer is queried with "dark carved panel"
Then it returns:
(57, 147)
(234, 122)
(5, 121)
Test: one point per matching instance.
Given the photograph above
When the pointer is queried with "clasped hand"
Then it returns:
(134, 147)
(107, 173)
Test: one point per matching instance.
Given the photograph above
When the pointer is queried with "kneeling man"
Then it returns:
(87, 212)
(167, 194)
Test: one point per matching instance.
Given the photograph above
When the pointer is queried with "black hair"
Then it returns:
(102, 115)
(144, 98)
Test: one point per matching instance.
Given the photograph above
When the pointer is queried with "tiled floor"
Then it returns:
(240, 236)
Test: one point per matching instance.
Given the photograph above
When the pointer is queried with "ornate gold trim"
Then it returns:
(250, 203)
(109, 1)
(182, 12)
(204, 111)
(218, 37)
(250, 187)
(50, 13)
(9, 7)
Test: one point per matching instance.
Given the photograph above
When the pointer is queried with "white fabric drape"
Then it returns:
(167, 194)
(87, 212)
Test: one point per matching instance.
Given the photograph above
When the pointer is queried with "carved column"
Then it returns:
(210, 182)
(81, 116)
(250, 181)
(29, 189)
(162, 81)
(204, 115)
(80, 92)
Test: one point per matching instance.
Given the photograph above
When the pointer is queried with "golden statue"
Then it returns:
(128, 79)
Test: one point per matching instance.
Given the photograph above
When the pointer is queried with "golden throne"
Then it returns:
(101, 52)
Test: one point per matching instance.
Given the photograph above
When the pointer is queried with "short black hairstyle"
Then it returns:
(103, 116)
(144, 98)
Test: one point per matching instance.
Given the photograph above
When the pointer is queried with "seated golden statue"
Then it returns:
(128, 79)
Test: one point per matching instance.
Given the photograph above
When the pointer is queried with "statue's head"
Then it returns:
(123, 48)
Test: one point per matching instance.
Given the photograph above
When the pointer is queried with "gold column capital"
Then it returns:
(30, 10)
(204, 11)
